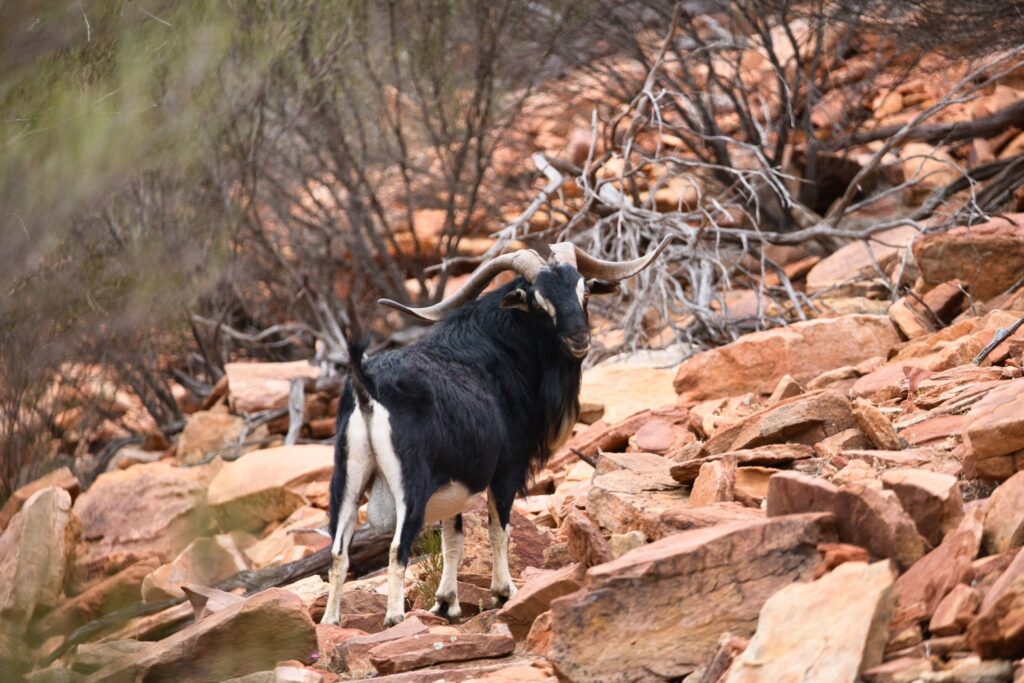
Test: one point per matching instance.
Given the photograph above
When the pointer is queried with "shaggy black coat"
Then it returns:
(479, 401)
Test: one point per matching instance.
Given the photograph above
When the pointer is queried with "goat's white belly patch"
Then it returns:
(448, 501)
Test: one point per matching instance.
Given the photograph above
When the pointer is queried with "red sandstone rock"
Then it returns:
(209, 432)
(945, 300)
(257, 487)
(847, 439)
(1004, 518)
(61, 478)
(714, 483)
(805, 419)
(772, 455)
(353, 654)
(955, 611)
(330, 637)
(786, 388)
(536, 595)
(624, 500)
(988, 258)
(994, 436)
(661, 435)
(756, 362)
(254, 387)
(899, 670)
(793, 493)
(602, 437)
(659, 609)
(685, 518)
(101, 598)
(587, 545)
(248, 637)
(875, 425)
(206, 561)
(35, 558)
(829, 630)
(155, 507)
(910, 321)
(864, 516)
(998, 630)
(931, 499)
(538, 640)
(427, 649)
(835, 554)
(858, 258)
(922, 587)
(751, 485)
(875, 520)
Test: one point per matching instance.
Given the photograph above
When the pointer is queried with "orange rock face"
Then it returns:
(257, 488)
(988, 258)
(250, 636)
(858, 257)
(35, 556)
(536, 595)
(61, 478)
(1004, 518)
(626, 621)
(261, 386)
(994, 438)
(154, 507)
(756, 362)
(828, 630)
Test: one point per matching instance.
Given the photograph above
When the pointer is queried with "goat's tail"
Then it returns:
(357, 343)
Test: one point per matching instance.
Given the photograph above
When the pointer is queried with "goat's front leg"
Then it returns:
(499, 512)
(452, 546)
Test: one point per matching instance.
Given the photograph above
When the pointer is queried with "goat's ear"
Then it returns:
(516, 299)
(595, 286)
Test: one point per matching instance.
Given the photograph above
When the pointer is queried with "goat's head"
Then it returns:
(556, 290)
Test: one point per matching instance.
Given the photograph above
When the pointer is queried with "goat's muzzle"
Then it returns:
(577, 345)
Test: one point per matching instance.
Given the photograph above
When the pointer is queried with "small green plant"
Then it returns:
(431, 564)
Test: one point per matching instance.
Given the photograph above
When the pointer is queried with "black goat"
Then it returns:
(477, 404)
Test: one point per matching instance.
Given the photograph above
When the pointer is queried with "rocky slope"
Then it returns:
(838, 500)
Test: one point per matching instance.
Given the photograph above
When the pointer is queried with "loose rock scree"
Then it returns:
(477, 404)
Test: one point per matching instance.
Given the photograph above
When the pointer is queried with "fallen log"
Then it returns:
(985, 127)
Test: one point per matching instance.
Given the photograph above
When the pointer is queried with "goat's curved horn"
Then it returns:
(526, 262)
(588, 266)
(564, 252)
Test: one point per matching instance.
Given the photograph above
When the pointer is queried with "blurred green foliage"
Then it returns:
(108, 222)
(143, 144)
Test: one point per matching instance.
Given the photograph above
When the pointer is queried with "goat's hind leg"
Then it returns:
(352, 472)
(452, 546)
(499, 505)
(410, 522)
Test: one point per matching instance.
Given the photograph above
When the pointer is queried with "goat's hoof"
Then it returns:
(502, 595)
(394, 620)
(449, 609)
(331, 619)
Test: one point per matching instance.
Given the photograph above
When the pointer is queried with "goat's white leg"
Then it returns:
(452, 546)
(396, 575)
(358, 468)
(406, 526)
(339, 570)
(499, 510)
